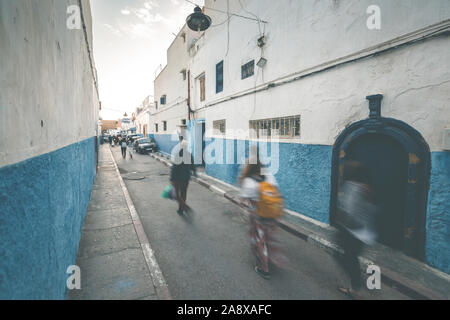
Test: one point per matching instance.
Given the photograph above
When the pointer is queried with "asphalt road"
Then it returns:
(210, 258)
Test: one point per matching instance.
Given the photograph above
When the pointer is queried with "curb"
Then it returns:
(402, 284)
(161, 288)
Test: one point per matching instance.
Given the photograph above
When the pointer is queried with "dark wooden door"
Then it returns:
(388, 165)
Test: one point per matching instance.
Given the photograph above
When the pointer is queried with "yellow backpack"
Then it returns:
(270, 204)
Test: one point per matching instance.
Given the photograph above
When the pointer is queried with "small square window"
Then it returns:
(219, 127)
(163, 100)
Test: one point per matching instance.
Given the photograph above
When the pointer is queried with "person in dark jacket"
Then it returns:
(180, 175)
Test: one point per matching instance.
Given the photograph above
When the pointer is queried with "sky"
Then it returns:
(131, 38)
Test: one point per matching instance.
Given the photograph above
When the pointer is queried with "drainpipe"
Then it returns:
(189, 94)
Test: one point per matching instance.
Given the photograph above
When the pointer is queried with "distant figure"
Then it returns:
(130, 148)
(180, 175)
(123, 144)
(110, 140)
(260, 194)
(356, 221)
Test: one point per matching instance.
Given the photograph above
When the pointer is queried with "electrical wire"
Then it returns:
(228, 29)
(250, 13)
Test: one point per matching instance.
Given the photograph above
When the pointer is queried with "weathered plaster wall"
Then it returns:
(414, 80)
(49, 121)
(45, 76)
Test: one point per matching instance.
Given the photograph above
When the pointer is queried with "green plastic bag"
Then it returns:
(169, 193)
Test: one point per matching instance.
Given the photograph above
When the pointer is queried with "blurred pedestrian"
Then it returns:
(123, 145)
(180, 175)
(261, 196)
(130, 148)
(355, 220)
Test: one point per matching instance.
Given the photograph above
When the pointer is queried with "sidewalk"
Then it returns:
(409, 276)
(111, 256)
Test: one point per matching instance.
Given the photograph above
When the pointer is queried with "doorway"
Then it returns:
(398, 159)
(203, 143)
(388, 166)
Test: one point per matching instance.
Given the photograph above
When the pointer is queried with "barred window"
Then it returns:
(219, 127)
(248, 70)
(286, 127)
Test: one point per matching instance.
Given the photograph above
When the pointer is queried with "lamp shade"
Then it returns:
(198, 21)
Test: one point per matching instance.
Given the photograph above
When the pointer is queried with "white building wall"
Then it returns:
(170, 82)
(304, 36)
(143, 119)
(44, 102)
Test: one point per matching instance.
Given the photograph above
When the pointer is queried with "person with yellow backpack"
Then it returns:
(261, 196)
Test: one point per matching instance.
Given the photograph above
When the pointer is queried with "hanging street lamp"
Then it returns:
(198, 21)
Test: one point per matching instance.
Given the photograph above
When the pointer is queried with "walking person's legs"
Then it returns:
(259, 246)
(349, 261)
(183, 189)
(177, 186)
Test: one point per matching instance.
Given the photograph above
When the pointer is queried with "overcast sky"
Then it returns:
(131, 38)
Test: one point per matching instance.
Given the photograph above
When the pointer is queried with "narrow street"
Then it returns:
(344, 103)
(210, 258)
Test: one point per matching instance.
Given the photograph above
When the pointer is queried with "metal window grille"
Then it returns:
(248, 70)
(286, 127)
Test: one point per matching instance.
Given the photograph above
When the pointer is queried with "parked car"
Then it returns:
(106, 138)
(134, 137)
(145, 145)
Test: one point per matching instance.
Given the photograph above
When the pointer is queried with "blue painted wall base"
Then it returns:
(437, 248)
(43, 202)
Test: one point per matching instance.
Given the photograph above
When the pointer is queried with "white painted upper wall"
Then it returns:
(306, 34)
(415, 82)
(45, 75)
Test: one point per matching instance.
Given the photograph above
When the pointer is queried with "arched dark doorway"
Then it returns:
(399, 162)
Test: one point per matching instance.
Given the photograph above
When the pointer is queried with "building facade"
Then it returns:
(108, 125)
(143, 117)
(48, 164)
(295, 81)
(170, 113)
